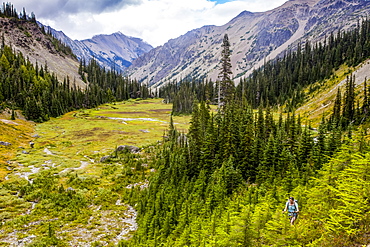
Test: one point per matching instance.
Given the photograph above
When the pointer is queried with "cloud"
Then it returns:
(155, 21)
(53, 9)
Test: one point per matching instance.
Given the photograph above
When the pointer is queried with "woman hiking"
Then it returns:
(292, 207)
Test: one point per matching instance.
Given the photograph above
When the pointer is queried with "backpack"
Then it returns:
(295, 204)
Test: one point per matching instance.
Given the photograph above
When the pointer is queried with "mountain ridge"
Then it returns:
(255, 38)
(115, 50)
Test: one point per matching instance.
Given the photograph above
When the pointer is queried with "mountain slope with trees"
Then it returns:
(226, 182)
(36, 89)
(23, 35)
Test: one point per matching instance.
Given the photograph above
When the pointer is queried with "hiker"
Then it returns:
(292, 207)
(32, 144)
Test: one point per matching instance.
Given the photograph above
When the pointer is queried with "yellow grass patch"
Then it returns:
(16, 132)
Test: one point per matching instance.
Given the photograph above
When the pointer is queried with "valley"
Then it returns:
(199, 143)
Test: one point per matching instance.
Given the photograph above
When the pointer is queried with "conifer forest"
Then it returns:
(224, 180)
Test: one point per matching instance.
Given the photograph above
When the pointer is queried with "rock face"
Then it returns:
(27, 38)
(254, 38)
(111, 51)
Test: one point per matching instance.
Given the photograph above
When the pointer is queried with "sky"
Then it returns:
(154, 21)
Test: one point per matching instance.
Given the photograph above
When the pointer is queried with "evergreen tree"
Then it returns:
(226, 84)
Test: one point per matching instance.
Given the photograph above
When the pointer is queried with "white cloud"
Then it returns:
(155, 21)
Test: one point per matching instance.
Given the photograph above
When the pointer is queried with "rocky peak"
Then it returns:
(110, 50)
(254, 37)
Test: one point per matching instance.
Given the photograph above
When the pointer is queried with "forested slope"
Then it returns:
(226, 182)
(37, 91)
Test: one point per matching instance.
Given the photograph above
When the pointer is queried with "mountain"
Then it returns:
(115, 50)
(254, 38)
(28, 38)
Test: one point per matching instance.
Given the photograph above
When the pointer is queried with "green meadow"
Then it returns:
(96, 132)
(59, 192)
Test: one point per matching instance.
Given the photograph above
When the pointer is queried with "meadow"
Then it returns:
(58, 192)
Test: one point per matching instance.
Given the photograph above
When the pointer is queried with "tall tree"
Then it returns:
(226, 84)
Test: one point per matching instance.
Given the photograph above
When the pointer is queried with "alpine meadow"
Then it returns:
(254, 133)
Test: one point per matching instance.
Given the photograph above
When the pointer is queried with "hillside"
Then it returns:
(322, 101)
(27, 37)
(111, 51)
(255, 38)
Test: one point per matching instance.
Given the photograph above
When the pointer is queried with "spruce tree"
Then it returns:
(226, 84)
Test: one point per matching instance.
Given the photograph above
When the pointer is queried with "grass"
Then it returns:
(321, 101)
(91, 133)
(67, 151)
(17, 132)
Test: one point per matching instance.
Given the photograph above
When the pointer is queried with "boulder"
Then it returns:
(105, 158)
(5, 143)
(25, 152)
(131, 149)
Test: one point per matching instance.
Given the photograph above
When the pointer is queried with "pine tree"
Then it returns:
(226, 84)
(337, 108)
(349, 101)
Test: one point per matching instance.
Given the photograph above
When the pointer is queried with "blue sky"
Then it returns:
(221, 1)
(155, 21)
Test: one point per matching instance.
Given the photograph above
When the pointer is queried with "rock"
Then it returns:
(105, 158)
(5, 143)
(144, 131)
(132, 149)
(25, 152)
(48, 152)
(36, 136)
(118, 202)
